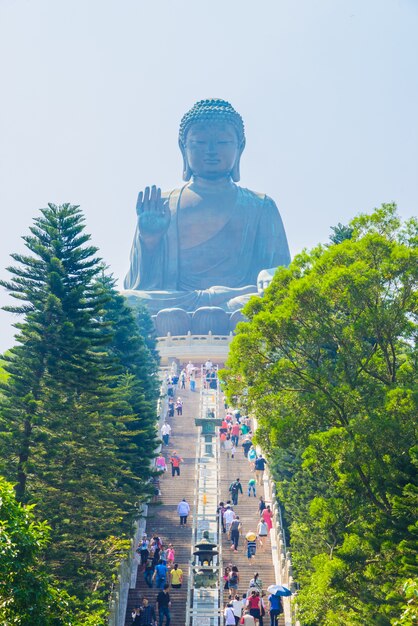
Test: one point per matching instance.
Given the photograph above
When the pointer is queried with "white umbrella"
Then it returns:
(279, 590)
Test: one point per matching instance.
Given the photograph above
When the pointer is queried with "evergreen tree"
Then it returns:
(136, 378)
(55, 338)
(147, 330)
(69, 420)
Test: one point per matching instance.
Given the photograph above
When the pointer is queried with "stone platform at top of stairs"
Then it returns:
(195, 348)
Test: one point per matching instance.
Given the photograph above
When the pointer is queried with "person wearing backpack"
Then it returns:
(234, 489)
(276, 608)
(235, 530)
(233, 579)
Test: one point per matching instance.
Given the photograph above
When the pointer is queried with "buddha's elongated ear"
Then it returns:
(187, 172)
(235, 174)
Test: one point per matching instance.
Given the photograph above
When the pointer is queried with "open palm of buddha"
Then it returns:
(205, 244)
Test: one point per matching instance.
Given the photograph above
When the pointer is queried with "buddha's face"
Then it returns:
(212, 149)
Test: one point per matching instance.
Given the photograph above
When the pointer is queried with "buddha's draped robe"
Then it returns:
(213, 272)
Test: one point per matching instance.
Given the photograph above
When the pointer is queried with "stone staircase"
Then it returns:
(247, 509)
(162, 517)
(163, 520)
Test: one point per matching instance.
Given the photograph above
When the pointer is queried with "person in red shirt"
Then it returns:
(175, 461)
(235, 433)
(224, 426)
(254, 604)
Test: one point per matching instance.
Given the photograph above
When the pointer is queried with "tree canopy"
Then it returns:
(327, 362)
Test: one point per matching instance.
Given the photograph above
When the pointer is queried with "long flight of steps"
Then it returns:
(247, 509)
(162, 517)
(163, 520)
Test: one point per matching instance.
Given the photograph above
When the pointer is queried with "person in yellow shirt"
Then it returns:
(176, 575)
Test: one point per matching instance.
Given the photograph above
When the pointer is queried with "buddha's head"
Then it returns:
(211, 140)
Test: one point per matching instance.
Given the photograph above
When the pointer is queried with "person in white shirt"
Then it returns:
(238, 606)
(189, 368)
(262, 532)
(229, 517)
(183, 510)
(208, 365)
(229, 615)
(165, 433)
(228, 446)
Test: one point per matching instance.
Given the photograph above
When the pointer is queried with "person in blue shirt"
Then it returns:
(160, 575)
(276, 608)
(259, 466)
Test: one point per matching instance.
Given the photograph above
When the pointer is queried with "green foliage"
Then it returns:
(28, 596)
(3, 373)
(328, 364)
(409, 616)
(340, 233)
(77, 415)
(147, 330)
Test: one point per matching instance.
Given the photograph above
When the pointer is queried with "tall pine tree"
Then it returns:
(70, 422)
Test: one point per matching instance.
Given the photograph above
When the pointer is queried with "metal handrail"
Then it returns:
(190, 583)
(220, 549)
(279, 509)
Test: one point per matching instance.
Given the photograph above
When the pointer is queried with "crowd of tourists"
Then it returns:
(251, 607)
(248, 602)
(157, 557)
(159, 568)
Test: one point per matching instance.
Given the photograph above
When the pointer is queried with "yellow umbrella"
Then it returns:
(251, 536)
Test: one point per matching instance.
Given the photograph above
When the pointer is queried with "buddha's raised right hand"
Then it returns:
(153, 215)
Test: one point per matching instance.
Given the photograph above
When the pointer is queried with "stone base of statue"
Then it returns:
(206, 319)
(193, 334)
(177, 321)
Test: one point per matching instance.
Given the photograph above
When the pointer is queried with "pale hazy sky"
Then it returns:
(92, 92)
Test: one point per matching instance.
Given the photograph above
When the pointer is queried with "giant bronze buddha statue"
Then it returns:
(198, 250)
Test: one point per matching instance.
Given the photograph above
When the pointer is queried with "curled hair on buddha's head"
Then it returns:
(212, 110)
